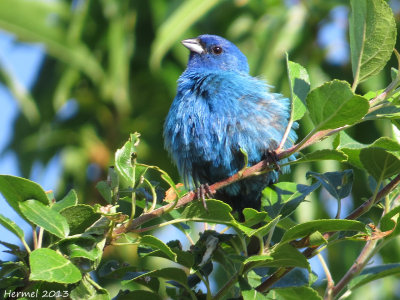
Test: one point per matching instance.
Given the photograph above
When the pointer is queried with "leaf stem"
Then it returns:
(34, 237)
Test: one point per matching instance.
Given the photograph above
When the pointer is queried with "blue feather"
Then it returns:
(218, 110)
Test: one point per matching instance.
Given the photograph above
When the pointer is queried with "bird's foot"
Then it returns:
(272, 157)
(202, 192)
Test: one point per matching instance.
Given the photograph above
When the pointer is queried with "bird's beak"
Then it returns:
(193, 45)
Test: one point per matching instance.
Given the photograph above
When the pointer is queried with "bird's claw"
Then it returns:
(272, 158)
(202, 192)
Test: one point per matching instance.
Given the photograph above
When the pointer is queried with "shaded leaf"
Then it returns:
(338, 184)
(296, 278)
(167, 273)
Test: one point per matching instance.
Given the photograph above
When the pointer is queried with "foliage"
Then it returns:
(257, 258)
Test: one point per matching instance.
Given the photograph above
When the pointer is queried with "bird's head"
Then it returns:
(212, 52)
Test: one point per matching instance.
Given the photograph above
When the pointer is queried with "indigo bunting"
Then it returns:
(218, 110)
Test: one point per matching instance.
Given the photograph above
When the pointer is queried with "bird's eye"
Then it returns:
(216, 50)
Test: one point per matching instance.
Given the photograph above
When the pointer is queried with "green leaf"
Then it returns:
(390, 221)
(334, 105)
(261, 231)
(12, 282)
(252, 294)
(338, 184)
(8, 267)
(295, 293)
(12, 227)
(350, 147)
(124, 157)
(86, 290)
(316, 239)
(324, 154)
(323, 225)
(177, 23)
(353, 149)
(374, 273)
(391, 112)
(105, 190)
(284, 197)
(80, 247)
(380, 163)
(48, 265)
(70, 199)
(157, 244)
(218, 212)
(17, 189)
(295, 278)
(372, 30)
(139, 294)
(39, 214)
(285, 255)
(167, 273)
(79, 217)
(299, 84)
(258, 258)
(253, 217)
(388, 144)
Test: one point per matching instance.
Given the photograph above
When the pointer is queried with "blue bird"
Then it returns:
(218, 110)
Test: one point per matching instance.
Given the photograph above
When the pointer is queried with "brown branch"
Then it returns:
(356, 268)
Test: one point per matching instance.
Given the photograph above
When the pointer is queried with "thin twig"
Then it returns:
(330, 284)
